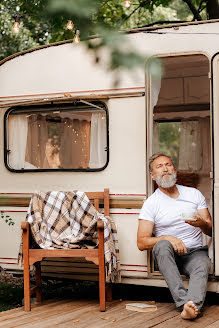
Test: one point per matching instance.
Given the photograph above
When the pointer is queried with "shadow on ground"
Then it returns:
(12, 295)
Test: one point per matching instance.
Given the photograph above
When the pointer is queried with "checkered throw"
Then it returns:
(69, 220)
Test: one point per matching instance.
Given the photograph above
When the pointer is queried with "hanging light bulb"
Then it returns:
(70, 25)
(76, 37)
(127, 3)
(16, 25)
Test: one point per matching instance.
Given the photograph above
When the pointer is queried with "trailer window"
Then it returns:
(182, 141)
(66, 139)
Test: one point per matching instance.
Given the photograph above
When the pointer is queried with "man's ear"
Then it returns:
(152, 177)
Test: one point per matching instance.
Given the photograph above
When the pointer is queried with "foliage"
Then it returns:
(44, 21)
(10, 296)
(7, 218)
(169, 135)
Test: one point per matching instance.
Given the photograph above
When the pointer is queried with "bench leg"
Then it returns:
(102, 277)
(38, 281)
(109, 292)
(102, 292)
(26, 284)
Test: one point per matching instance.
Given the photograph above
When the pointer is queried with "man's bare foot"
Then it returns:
(190, 311)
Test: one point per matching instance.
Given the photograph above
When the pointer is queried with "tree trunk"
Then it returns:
(212, 9)
(193, 9)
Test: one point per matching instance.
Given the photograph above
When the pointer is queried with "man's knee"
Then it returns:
(163, 247)
(204, 264)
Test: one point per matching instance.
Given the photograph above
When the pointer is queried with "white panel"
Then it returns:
(125, 172)
(216, 158)
(133, 262)
(56, 69)
(10, 239)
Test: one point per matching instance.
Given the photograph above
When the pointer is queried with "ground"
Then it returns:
(11, 291)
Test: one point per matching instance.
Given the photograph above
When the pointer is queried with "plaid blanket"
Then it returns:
(68, 220)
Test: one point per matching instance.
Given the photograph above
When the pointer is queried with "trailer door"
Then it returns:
(215, 127)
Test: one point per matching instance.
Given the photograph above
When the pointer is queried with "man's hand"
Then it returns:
(203, 221)
(199, 223)
(178, 245)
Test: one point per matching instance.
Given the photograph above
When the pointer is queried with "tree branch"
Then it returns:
(193, 9)
(212, 9)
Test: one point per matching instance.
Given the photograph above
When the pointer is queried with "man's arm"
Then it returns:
(146, 241)
(204, 221)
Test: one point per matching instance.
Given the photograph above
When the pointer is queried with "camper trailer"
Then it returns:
(65, 126)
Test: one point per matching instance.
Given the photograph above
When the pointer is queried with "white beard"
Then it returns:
(166, 182)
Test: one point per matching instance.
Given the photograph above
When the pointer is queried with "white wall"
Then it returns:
(125, 172)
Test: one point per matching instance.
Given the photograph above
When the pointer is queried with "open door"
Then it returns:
(215, 109)
(179, 124)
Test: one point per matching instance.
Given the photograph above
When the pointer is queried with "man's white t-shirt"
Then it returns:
(166, 213)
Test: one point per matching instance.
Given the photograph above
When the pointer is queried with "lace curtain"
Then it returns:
(36, 141)
(75, 144)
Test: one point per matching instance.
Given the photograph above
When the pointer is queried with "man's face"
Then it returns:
(163, 172)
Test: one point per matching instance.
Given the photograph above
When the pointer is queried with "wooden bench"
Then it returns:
(35, 256)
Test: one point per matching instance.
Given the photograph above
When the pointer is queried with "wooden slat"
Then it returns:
(69, 269)
(37, 319)
(114, 203)
(210, 314)
(18, 312)
(35, 253)
(67, 262)
(214, 324)
(83, 314)
(80, 276)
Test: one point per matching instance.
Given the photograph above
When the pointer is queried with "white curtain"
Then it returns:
(17, 141)
(98, 140)
(206, 143)
(190, 147)
(156, 142)
(155, 90)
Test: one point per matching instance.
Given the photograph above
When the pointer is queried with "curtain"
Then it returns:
(37, 139)
(156, 141)
(155, 90)
(190, 147)
(206, 143)
(75, 144)
(17, 141)
(98, 144)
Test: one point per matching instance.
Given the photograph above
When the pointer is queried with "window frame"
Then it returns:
(49, 108)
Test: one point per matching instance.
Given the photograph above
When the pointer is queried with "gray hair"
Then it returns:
(156, 155)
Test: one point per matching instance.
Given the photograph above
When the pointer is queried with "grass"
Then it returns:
(10, 296)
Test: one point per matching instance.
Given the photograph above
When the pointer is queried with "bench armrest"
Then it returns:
(100, 224)
(24, 225)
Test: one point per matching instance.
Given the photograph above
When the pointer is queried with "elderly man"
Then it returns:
(176, 242)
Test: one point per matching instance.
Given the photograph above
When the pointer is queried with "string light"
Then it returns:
(70, 25)
(76, 37)
(127, 3)
(16, 25)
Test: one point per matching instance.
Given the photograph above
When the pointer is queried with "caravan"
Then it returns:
(66, 127)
